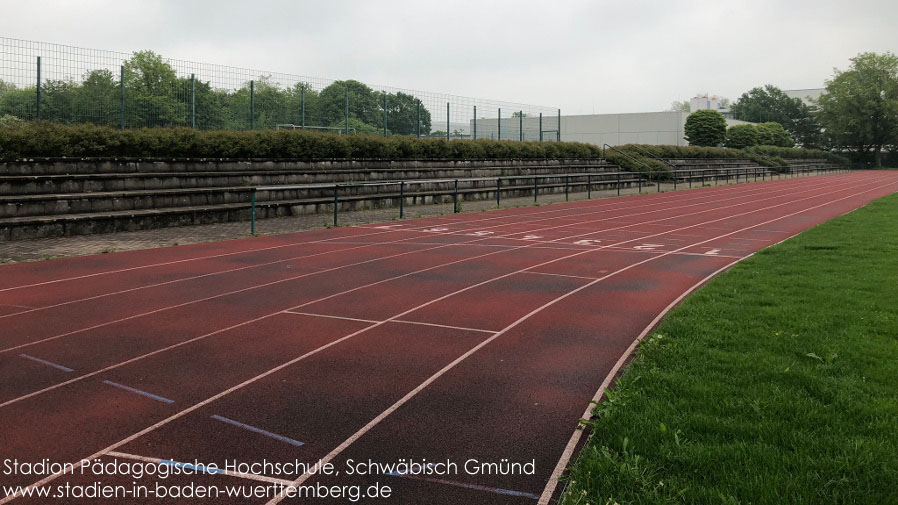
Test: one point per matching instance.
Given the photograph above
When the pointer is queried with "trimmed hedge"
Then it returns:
(40, 139)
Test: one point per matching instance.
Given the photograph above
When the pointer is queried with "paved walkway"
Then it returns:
(81, 245)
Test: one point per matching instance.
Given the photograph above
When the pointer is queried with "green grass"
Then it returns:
(775, 383)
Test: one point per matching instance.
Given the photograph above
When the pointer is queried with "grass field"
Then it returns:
(775, 383)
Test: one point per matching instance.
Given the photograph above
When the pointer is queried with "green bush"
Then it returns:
(51, 140)
(741, 136)
(705, 128)
(773, 134)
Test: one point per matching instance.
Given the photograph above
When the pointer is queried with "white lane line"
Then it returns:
(200, 468)
(48, 363)
(411, 394)
(260, 431)
(138, 391)
(478, 487)
(371, 321)
(561, 275)
(226, 392)
(134, 316)
(251, 321)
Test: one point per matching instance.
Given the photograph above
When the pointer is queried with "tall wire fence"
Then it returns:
(71, 85)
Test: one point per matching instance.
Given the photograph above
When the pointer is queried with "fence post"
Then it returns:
(475, 122)
(558, 132)
(521, 126)
(346, 107)
(252, 105)
(336, 202)
(121, 85)
(385, 113)
(302, 107)
(499, 125)
(38, 88)
(540, 126)
(418, 123)
(192, 100)
(447, 120)
(252, 226)
(401, 199)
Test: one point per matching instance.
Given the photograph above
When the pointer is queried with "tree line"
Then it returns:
(154, 95)
(857, 113)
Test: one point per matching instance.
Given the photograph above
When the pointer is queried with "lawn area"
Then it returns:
(776, 383)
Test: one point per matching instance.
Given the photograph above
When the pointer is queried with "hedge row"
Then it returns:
(30, 140)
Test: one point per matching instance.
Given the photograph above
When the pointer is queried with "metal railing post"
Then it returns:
(535, 189)
(498, 191)
(401, 199)
(336, 202)
(252, 214)
(588, 186)
(618, 183)
(567, 185)
(455, 198)
(690, 178)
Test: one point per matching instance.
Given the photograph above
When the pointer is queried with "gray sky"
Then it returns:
(582, 56)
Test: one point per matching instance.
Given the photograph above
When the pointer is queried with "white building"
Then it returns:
(655, 128)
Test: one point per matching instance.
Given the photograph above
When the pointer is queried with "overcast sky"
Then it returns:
(582, 56)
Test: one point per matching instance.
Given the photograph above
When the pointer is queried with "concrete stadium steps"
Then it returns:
(53, 204)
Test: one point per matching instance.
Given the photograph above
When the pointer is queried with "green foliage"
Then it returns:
(770, 104)
(8, 121)
(52, 140)
(705, 128)
(773, 134)
(741, 136)
(860, 107)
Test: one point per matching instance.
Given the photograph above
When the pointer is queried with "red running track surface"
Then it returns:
(475, 336)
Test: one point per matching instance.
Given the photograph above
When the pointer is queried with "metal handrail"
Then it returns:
(629, 157)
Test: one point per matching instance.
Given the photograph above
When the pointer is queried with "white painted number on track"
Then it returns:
(435, 230)
(713, 252)
(647, 247)
(481, 233)
(588, 242)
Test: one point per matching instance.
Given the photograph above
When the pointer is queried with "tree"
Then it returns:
(860, 106)
(363, 103)
(705, 128)
(152, 89)
(677, 106)
(741, 136)
(773, 134)
(770, 104)
(402, 114)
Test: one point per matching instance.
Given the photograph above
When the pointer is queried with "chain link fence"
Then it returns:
(71, 85)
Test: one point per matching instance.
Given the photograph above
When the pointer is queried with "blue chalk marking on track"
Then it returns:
(48, 363)
(199, 468)
(143, 393)
(260, 431)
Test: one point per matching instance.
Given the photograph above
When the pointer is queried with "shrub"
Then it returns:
(773, 134)
(705, 128)
(741, 136)
(51, 140)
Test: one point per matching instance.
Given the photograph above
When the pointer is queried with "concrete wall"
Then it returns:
(655, 128)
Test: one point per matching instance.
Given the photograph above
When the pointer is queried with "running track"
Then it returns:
(466, 336)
